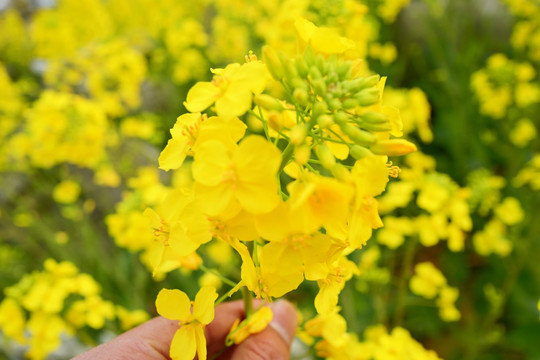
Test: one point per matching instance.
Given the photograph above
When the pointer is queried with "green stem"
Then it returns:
(216, 273)
(248, 301)
(402, 282)
(285, 157)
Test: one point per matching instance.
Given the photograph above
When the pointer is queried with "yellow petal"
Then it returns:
(255, 158)
(173, 304)
(305, 29)
(234, 102)
(201, 343)
(201, 96)
(203, 308)
(214, 200)
(184, 343)
(173, 155)
(211, 163)
(327, 41)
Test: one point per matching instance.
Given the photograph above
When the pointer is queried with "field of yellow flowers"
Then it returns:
(374, 162)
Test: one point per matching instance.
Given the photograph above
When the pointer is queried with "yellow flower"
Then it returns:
(193, 129)
(189, 339)
(253, 324)
(244, 176)
(509, 211)
(427, 280)
(231, 89)
(276, 274)
(445, 302)
(323, 40)
(523, 133)
(130, 318)
(179, 227)
(66, 192)
(337, 273)
(319, 201)
(12, 320)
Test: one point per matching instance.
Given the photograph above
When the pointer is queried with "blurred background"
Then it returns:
(90, 88)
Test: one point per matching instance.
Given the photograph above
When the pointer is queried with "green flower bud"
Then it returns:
(341, 118)
(341, 173)
(360, 137)
(301, 66)
(314, 73)
(367, 97)
(302, 154)
(290, 68)
(334, 104)
(349, 103)
(273, 63)
(319, 86)
(325, 156)
(358, 152)
(298, 83)
(268, 102)
(319, 109)
(376, 127)
(344, 70)
(301, 96)
(298, 134)
(325, 121)
(374, 117)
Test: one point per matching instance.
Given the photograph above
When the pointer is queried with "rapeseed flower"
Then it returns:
(242, 177)
(189, 338)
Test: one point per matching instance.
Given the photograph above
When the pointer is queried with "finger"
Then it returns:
(150, 340)
(274, 342)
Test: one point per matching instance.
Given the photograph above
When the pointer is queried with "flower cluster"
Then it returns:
(58, 300)
(287, 202)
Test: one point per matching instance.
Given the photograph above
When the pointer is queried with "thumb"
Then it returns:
(274, 342)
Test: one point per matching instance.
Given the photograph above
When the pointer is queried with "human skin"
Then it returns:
(151, 340)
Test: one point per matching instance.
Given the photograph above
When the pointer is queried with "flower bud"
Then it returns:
(298, 83)
(314, 73)
(370, 81)
(344, 70)
(384, 127)
(302, 154)
(358, 152)
(367, 97)
(319, 109)
(301, 96)
(325, 156)
(349, 103)
(268, 102)
(301, 66)
(341, 173)
(319, 86)
(334, 104)
(298, 134)
(341, 118)
(325, 121)
(393, 147)
(288, 66)
(272, 62)
(374, 117)
(357, 135)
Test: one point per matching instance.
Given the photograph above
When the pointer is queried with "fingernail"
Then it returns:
(284, 320)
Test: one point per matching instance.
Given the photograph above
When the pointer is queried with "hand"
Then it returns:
(151, 340)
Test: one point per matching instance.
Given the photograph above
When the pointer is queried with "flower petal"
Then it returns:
(203, 308)
(173, 304)
(184, 343)
(201, 96)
